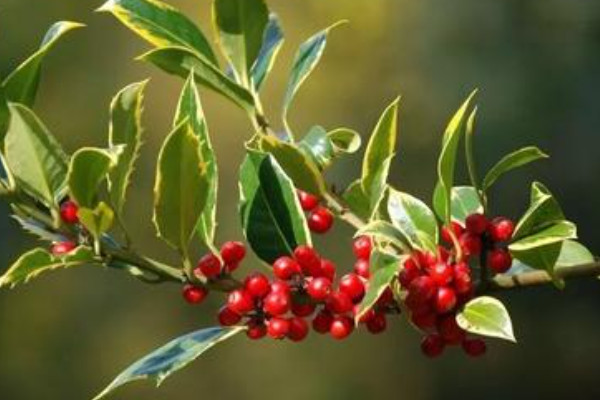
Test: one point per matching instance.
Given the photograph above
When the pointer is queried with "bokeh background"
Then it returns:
(537, 64)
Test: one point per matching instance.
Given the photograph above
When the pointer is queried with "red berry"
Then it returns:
(449, 330)
(377, 324)
(422, 289)
(309, 260)
(303, 310)
(366, 316)
(353, 286)
(409, 272)
(256, 330)
(499, 260)
(307, 201)
(445, 300)
(432, 345)
(319, 288)
(424, 321)
(362, 247)
(298, 329)
(461, 268)
(285, 268)
(239, 301)
(501, 229)
(341, 327)
(441, 273)
(462, 282)
(62, 248)
(228, 317)
(328, 269)
(277, 303)
(233, 252)
(425, 259)
(257, 285)
(280, 287)
(278, 328)
(209, 266)
(455, 228)
(322, 321)
(194, 294)
(362, 268)
(339, 303)
(476, 224)
(320, 220)
(68, 212)
(474, 347)
(386, 298)
(470, 244)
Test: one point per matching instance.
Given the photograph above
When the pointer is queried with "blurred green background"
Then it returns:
(537, 64)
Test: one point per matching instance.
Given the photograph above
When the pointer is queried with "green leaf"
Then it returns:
(554, 233)
(4, 116)
(181, 187)
(465, 201)
(386, 231)
(98, 220)
(190, 108)
(486, 316)
(38, 229)
(306, 59)
(344, 140)
(447, 160)
(22, 84)
(161, 25)
(273, 221)
(88, 169)
(573, 253)
(469, 152)
(240, 25)
(384, 268)
(39, 260)
(511, 161)
(357, 200)
(125, 130)
(179, 61)
(411, 216)
(34, 157)
(170, 358)
(271, 44)
(544, 210)
(300, 168)
(324, 147)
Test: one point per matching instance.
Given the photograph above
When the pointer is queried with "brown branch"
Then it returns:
(536, 278)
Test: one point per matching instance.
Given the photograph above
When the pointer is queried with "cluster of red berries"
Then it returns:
(438, 284)
(68, 215)
(320, 219)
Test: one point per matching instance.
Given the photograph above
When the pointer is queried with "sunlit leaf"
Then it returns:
(486, 316)
(89, 167)
(411, 216)
(272, 41)
(511, 161)
(98, 220)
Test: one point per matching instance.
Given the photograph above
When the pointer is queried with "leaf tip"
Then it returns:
(109, 6)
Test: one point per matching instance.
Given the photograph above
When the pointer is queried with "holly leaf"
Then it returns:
(272, 219)
(240, 25)
(89, 167)
(4, 116)
(465, 201)
(543, 211)
(357, 200)
(271, 44)
(21, 85)
(411, 216)
(38, 229)
(98, 220)
(573, 253)
(385, 231)
(511, 161)
(486, 316)
(161, 25)
(171, 357)
(39, 260)
(34, 157)
(125, 131)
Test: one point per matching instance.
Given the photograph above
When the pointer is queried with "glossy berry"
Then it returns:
(445, 300)
(62, 248)
(276, 303)
(280, 287)
(227, 317)
(463, 283)
(501, 229)
(377, 324)
(499, 260)
(450, 331)
(209, 266)
(470, 244)
(476, 224)
(322, 322)
(233, 252)
(256, 330)
(339, 303)
(257, 285)
(425, 259)
(353, 286)
(68, 212)
(278, 328)
(422, 289)
(194, 294)
(362, 268)
(474, 347)
(441, 273)
(386, 298)
(320, 220)
(309, 260)
(240, 302)
(285, 268)
(424, 320)
(454, 228)
(308, 201)
(432, 345)
(366, 316)
(298, 329)
(319, 288)
(341, 327)
(328, 269)
(362, 247)
(410, 271)
(303, 310)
